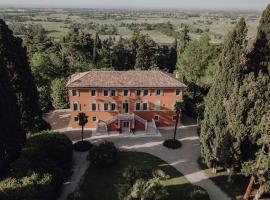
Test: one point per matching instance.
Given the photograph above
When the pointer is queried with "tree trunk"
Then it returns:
(176, 124)
(82, 133)
(214, 168)
(249, 188)
(259, 193)
(252, 179)
(231, 172)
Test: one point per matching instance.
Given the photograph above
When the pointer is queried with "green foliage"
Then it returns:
(36, 40)
(184, 40)
(15, 60)
(216, 140)
(131, 174)
(77, 46)
(12, 136)
(150, 189)
(197, 65)
(172, 144)
(145, 53)
(46, 68)
(142, 183)
(199, 194)
(43, 166)
(194, 62)
(59, 94)
(236, 125)
(55, 147)
(77, 195)
(83, 119)
(82, 146)
(103, 155)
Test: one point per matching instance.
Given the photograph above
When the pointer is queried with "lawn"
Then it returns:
(235, 189)
(103, 183)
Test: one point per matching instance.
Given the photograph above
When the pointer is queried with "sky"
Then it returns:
(179, 4)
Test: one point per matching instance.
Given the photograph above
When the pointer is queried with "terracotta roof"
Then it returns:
(124, 79)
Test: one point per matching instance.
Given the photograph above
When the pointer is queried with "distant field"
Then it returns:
(59, 21)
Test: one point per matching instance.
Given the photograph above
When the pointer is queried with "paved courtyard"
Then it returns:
(183, 159)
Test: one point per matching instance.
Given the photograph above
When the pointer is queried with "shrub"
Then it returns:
(172, 144)
(131, 174)
(82, 146)
(52, 146)
(43, 166)
(77, 195)
(199, 194)
(138, 180)
(103, 155)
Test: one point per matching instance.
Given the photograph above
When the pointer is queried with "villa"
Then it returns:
(124, 101)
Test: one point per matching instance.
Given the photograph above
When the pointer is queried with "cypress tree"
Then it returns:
(183, 41)
(173, 56)
(22, 80)
(248, 112)
(59, 93)
(97, 45)
(216, 140)
(145, 53)
(12, 137)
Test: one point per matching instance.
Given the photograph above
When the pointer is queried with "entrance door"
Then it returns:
(125, 107)
(125, 126)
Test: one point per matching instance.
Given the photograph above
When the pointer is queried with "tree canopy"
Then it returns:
(15, 59)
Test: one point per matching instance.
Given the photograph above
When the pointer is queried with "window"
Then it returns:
(145, 92)
(106, 106)
(75, 106)
(94, 107)
(93, 92)
(126, 93)
(156, 118)
(113, 93)
(94, 119)
(137, 106)
(106, 93)
(157, 105)
(174, 118)
(158, 92)
(145, 106)
(177, 92)
(138, 92)
(74, 92)
(76, 119)
(113, 107)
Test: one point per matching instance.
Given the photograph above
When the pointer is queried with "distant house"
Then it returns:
(124, 101)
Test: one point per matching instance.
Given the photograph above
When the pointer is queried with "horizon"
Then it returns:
(229, 5)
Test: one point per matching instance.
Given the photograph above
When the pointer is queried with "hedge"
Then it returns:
(82, 146)
(172, 144)
(103, 155)
(39, 173)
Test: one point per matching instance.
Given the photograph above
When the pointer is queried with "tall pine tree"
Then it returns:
(216, 140)
(249, 105)
(12, 136)
(15, 59)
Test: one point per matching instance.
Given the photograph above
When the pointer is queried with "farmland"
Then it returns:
(162, 25)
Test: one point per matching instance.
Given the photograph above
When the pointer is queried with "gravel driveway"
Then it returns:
(183, 159)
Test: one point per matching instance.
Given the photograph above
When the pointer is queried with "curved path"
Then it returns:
(79, 168)
(183, 159)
